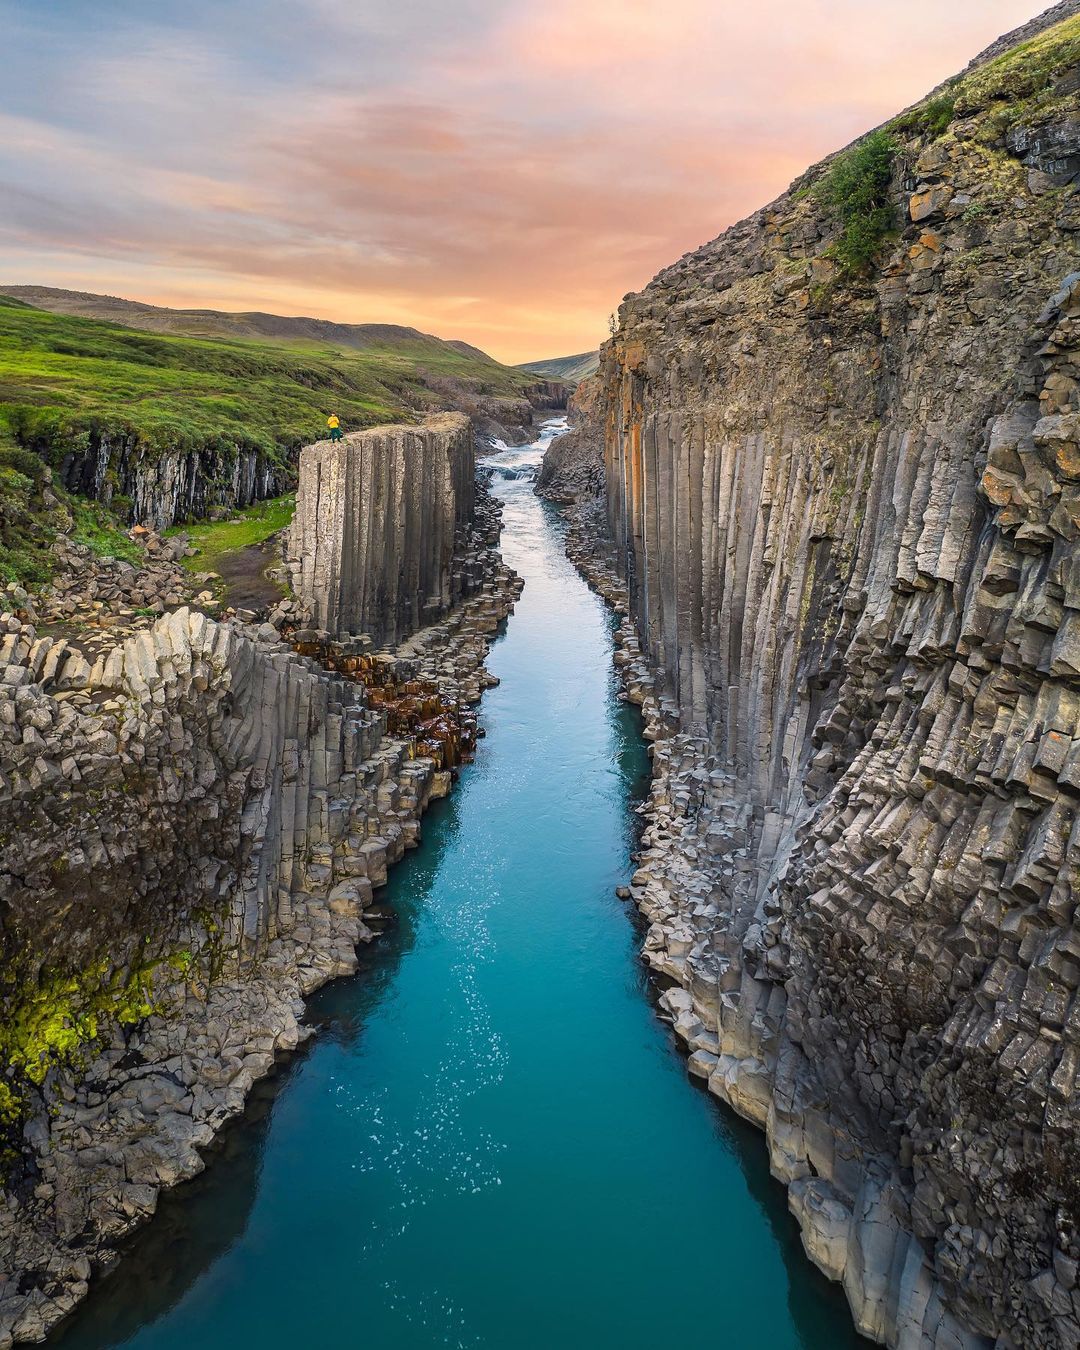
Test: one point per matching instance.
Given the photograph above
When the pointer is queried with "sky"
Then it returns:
(501, 171)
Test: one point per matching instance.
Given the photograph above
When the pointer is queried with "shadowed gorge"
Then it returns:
(496, 1055)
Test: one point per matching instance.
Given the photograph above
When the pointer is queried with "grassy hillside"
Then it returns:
(61, 376)
(65, 379)
(215, 323)
(571, 369)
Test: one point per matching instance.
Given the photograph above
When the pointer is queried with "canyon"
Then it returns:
(827, 480)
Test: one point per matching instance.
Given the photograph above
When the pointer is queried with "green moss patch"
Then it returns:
(53, 1024)
(100, 531)
(931, 118)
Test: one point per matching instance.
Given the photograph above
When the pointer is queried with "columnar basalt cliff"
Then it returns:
(372, 545)
(167, 486)
(192, 822)
(845, 504)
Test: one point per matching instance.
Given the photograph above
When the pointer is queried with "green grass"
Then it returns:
(854, 190)
(1025, 74)
(932, 118)
(98, 530)
(217, 539)
(64, 379)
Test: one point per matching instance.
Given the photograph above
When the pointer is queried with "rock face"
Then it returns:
(846, 523)
(192, 823)
(372, 546)
(573, 465)
(171, 485)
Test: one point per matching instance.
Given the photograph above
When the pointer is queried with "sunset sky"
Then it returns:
(501, 171)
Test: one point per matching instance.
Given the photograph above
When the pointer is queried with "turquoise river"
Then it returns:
(492, 1141)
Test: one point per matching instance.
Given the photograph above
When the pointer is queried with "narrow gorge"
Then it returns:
(723, 725)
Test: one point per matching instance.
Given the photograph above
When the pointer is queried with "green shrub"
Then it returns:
(932, 117)
(22, 461)
(854, 190)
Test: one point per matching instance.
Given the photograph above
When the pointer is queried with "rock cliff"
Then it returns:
(573, 464)
(843, 485)
(192, 822)
(372, 545)
(161, 487)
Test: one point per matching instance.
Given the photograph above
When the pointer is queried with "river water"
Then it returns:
(493, 1141)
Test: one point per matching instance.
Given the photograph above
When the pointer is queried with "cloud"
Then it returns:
(495, 170)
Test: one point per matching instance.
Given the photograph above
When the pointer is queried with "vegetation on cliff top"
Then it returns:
(1025, 76)
(63, 378)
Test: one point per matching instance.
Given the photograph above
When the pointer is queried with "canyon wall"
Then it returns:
(161, 488)
(372, 545)
(192, 823)
(845, 507)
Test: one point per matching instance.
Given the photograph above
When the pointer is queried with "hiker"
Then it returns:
(335, 427)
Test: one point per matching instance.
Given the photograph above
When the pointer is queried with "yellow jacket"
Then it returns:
(332, 421)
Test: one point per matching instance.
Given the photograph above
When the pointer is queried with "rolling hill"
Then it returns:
(569, 369)
(102, 403)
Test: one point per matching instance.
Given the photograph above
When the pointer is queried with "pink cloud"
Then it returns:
(506, 185)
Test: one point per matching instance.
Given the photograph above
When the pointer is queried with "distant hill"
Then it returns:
(255, 378)
(214, 323)
(569, 369)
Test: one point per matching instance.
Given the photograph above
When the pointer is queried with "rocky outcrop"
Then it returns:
(192, 824)
(161, 487)
(573, 465)
(372, 545)
(547, 394)
(846, 519)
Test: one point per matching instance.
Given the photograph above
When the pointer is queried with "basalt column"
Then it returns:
(373, 540)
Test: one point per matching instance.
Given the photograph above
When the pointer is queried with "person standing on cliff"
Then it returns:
(334, 424)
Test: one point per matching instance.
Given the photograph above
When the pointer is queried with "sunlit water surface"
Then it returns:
(492, 1142)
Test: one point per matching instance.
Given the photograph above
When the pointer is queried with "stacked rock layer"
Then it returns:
(373, 541)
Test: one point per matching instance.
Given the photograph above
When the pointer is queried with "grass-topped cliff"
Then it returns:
(103, 405)
(61, 375)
